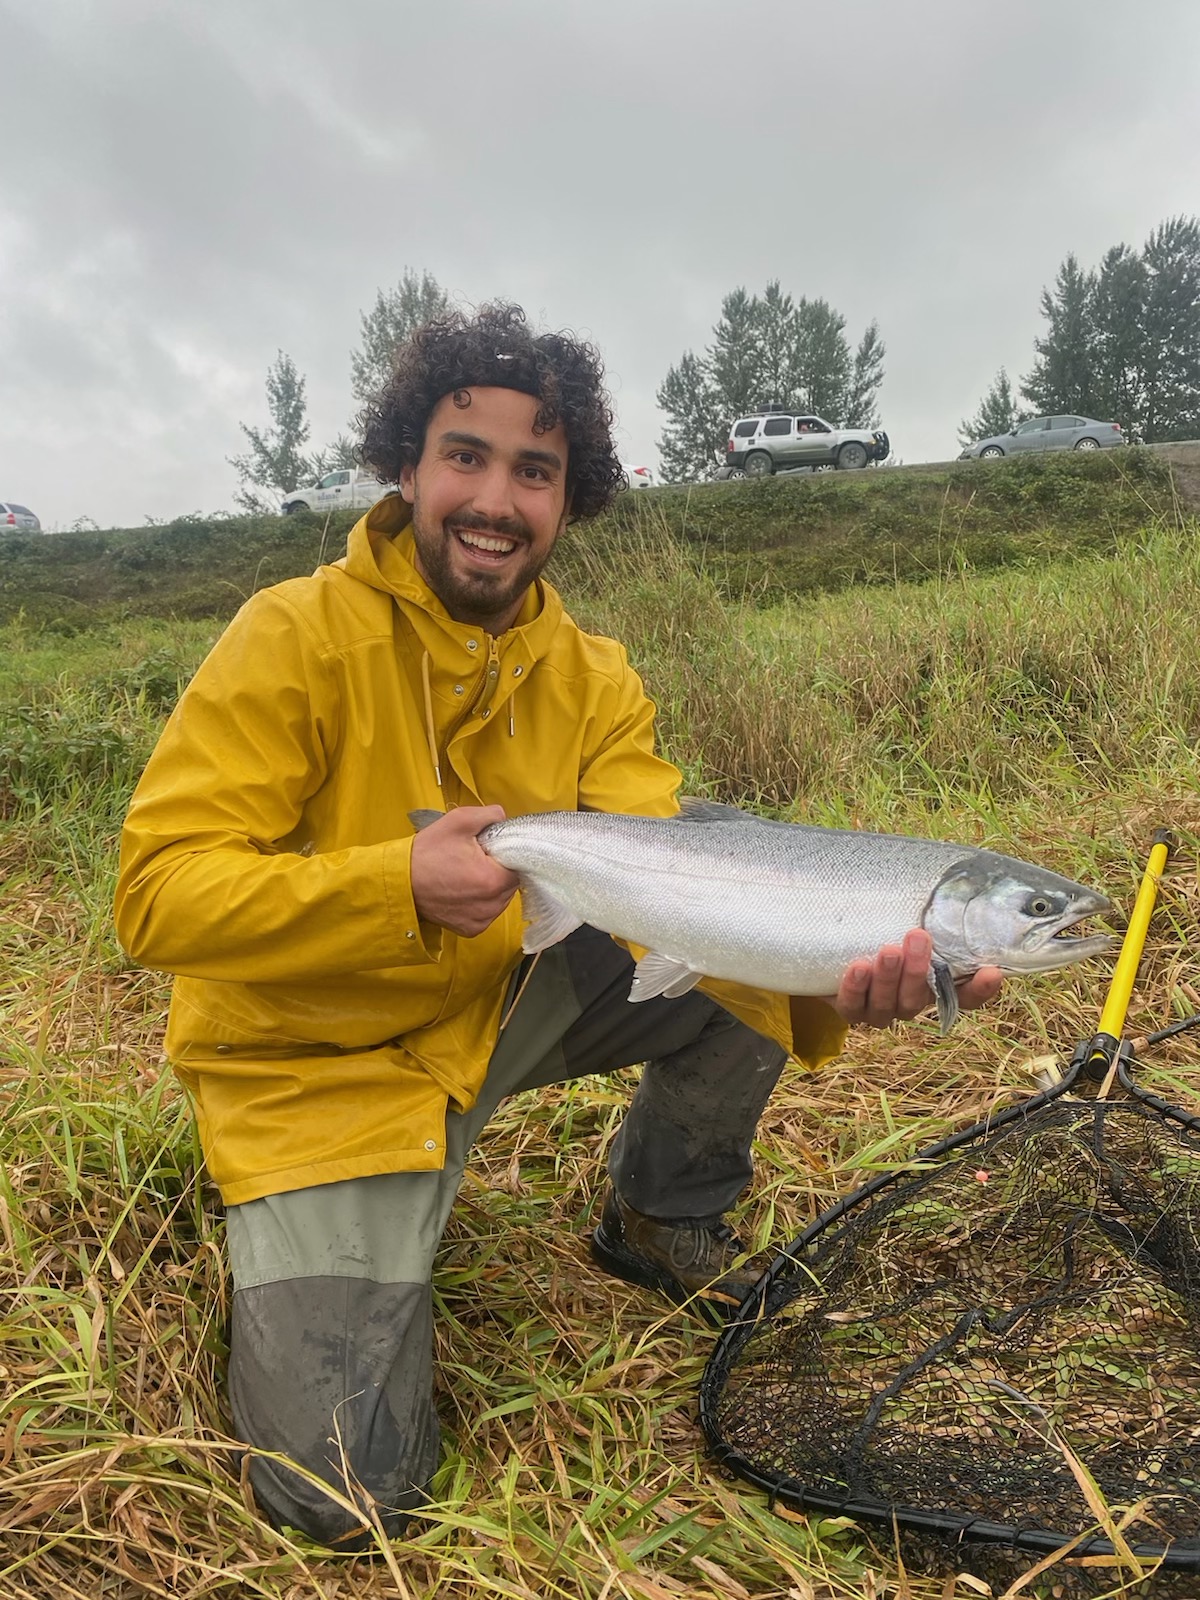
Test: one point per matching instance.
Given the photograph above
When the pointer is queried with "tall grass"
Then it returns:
(1052, 712)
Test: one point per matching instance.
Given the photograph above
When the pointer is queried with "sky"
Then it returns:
(189, 186)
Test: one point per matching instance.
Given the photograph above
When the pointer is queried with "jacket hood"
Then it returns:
(382, 554)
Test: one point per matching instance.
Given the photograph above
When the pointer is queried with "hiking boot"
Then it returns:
(684, 1259)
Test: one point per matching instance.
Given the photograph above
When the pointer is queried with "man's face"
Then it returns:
(489, 501)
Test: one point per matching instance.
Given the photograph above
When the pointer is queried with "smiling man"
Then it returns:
(341, 981)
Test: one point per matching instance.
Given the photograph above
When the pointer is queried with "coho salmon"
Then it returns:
(718, 892)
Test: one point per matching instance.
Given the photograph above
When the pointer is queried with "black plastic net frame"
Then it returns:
(945, 1350)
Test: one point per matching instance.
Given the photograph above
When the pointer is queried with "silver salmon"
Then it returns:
(717, 892)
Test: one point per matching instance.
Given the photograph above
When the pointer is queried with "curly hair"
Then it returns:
(496, 348)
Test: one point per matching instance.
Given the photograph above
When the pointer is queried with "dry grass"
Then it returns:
(1052, 714)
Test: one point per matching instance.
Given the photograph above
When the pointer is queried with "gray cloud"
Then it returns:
(185, 189)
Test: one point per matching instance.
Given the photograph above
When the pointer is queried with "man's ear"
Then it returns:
(408, 476)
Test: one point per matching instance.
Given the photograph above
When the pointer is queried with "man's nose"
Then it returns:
(493, 496)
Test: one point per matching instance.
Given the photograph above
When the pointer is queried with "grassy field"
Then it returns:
(1050, 709)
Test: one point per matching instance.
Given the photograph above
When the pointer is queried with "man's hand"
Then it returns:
(455, 883)
(895, 986)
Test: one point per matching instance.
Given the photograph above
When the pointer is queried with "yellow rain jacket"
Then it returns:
(321, 1027)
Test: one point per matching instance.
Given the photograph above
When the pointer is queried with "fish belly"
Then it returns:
(766, 924)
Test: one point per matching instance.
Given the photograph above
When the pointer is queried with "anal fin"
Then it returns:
(655, 975)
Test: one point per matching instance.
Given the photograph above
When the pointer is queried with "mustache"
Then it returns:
(504, 527)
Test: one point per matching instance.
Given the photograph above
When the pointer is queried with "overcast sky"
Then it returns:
(187, 186)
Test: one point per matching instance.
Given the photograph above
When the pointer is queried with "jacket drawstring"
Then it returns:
(430, 731)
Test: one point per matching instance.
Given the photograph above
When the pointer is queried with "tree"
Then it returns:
(275, 462)
(997, 413)
(823, 362)
(1170, 331)
(862, 405)
(767, 350)
(394, 316)
(1061, 379)
(693, 441)
(1117, 338)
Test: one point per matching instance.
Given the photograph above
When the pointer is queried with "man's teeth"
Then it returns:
(484, 541)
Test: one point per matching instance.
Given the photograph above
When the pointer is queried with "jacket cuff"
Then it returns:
(417, 941)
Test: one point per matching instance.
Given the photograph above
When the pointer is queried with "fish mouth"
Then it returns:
(1059, 945)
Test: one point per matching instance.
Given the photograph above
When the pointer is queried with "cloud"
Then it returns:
(186, 189)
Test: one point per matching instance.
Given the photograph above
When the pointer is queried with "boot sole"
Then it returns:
(622, 1263)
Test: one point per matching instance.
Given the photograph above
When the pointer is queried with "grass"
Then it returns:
(1052, 710)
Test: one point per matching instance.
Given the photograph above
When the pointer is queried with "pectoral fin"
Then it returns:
(547, 918)
(941, 981)
(655, 974)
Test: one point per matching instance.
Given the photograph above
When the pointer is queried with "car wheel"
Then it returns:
(759, 465)
(1086, 444)
(293, 506)
(851, 456)
(992, 453)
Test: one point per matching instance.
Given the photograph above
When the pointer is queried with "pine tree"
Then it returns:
(275, 462)
(997, 413)
(1117, 340)
(823, 361)
(394, 316)
(1170, 329)
(1061, 379)
(862, 405)
(693, 442)
(766, 350)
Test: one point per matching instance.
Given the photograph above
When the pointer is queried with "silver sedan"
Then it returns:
(1047, 433)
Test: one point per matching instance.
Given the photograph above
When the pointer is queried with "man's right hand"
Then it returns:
(455, 883)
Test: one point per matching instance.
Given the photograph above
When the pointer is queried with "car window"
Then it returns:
(1034, 425)
(1065, 422)
(745, 428)
(22, 511)
(776, 425)
(813, 425)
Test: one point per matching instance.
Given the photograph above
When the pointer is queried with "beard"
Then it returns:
(476, 596)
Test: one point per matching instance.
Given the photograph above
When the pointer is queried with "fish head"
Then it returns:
(992, 911)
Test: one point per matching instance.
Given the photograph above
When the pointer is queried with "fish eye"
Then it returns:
(1040, 905)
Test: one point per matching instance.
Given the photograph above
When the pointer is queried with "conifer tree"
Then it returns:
(276, 463)
(997, 413)
(1061, 379)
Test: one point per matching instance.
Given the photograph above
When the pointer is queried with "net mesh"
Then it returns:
(955, 1340)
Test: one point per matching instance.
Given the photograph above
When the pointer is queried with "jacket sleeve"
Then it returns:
(213, 881)
(625, 774)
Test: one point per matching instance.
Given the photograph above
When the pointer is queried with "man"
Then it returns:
(341, 981)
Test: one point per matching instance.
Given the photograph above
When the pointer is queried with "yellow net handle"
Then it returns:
(1112, 1019)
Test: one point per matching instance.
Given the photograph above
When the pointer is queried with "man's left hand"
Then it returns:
(894, 987)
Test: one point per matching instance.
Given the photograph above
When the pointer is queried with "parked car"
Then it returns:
(17, 519)
(348, 486)
(637, 477)
(1047, 433)
(782, 441)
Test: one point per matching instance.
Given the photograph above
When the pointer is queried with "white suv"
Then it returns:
(782, 441)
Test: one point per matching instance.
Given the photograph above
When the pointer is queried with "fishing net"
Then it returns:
(974, 1347)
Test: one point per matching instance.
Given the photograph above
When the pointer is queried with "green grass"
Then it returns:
(1051, 709)
(769, 539)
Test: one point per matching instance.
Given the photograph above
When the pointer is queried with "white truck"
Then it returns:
(356, 487)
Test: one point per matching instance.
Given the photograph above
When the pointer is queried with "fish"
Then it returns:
(719, 892)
